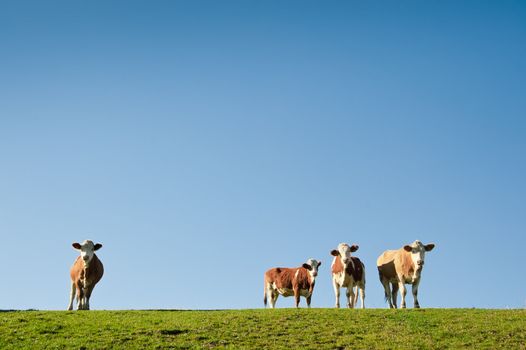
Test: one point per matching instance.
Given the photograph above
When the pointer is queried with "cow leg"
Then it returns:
(72, 296)
(361, 289)
(394, 294)
(387, 291)
(403, 293)
(297, 301)
(87, 296)
(267, 294)
(414, 289)
(273, 298)
(308, 300)
(350, 296)
(297, 297)
(85, 304)
(336, 293)
(80, 297)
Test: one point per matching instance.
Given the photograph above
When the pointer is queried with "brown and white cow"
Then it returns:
(86, 271)
(348, 272)
(298, 281)
(400, 267)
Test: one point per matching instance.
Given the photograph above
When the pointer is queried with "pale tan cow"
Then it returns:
(348, 272)
(85, 273)
(400, 267)
(298, 281)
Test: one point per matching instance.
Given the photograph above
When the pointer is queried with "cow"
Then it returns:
(400, 267)
(86, 271)
(348, 272)
(298, 281)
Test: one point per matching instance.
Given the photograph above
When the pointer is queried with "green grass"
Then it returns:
(262, 329)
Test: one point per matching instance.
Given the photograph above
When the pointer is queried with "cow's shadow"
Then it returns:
(12, 310)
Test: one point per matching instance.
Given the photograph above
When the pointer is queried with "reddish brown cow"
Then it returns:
(85, 273)
(297, 281)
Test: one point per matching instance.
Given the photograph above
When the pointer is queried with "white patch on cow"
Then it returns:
(87, 250)
(313, 272)
(418, 254)
(345, 252)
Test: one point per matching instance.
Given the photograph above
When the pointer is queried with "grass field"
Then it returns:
(278, 329)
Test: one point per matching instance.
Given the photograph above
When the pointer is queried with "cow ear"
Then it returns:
(408, 248)
(319, 263)
(335, 252)
(307, 266)
(354, 248)
(97, 246)
(429, 247)
(76, 246)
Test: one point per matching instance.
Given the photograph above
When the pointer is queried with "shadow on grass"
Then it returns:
(181, 310)
(173, 331)
(12, 310)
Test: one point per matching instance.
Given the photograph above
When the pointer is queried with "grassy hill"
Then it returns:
(278, 329)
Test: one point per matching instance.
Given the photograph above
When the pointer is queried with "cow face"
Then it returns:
(344, 252)
(312, 265)
(418, 251)
(87, 250)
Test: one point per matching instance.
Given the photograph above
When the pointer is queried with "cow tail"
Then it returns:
(363, 269)
(356, 296)
(386, 296)
(265, 291)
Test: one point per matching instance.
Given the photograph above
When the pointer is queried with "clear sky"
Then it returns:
(202, 142)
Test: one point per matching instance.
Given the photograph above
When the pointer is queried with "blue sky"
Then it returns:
(202, 142)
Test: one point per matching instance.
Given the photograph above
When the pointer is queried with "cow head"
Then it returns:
(312, 266)
(87, 250)
(344, 252)
(418, 251)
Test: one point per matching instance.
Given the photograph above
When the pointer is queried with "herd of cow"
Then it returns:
(395, 267)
